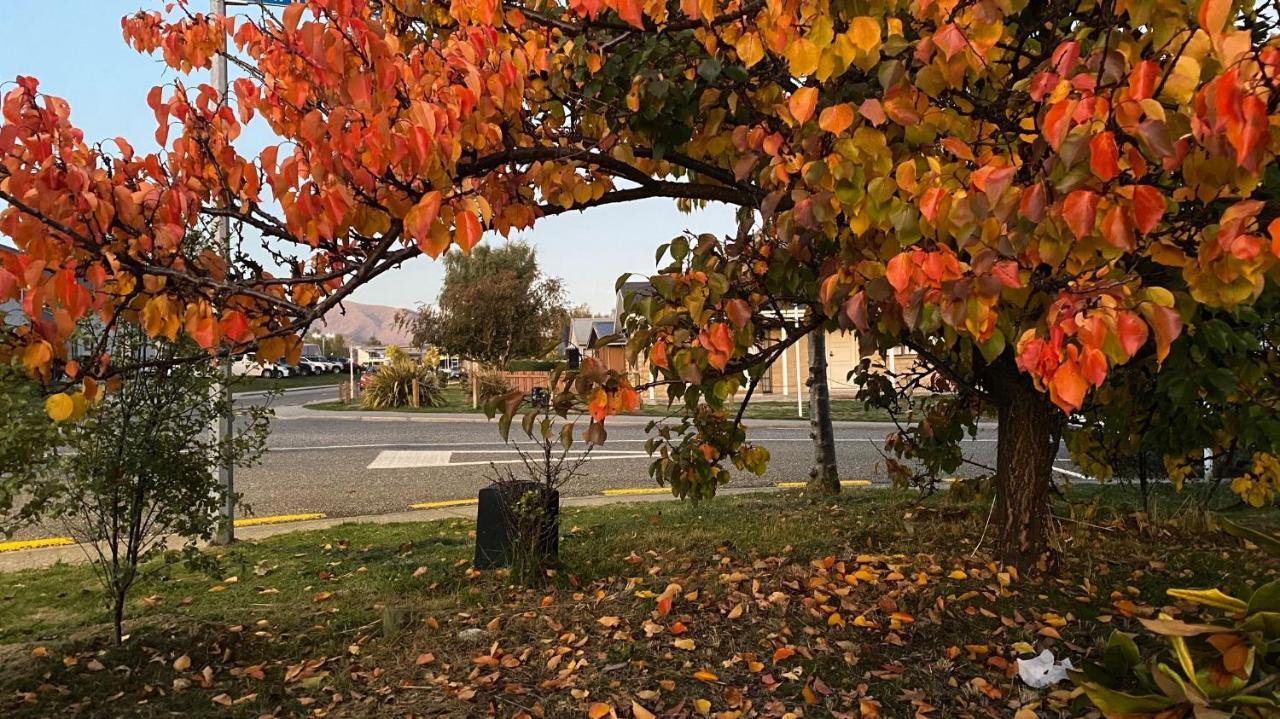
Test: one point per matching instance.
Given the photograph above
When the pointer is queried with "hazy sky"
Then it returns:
(75, 48)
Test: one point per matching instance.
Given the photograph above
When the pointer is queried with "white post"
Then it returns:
(226, 473)
(351, 372)
(799, 380)
(1208, 463)
(786, 370)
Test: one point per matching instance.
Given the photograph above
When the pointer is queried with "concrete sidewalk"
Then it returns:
(75, 554)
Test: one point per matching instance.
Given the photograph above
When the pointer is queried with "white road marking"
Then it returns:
(411, 459)
(404, 459)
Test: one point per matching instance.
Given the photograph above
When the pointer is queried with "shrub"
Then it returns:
(392, 384)
(491, 383)
(1229, 667)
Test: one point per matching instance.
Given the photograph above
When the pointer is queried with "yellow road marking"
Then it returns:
(35, 544)
(843, 483)
(278, 519)
(442, 504)
(636, 490)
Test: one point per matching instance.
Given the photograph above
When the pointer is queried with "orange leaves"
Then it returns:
(837, 118)
(468, 230)
(1165, 322)
(1148, 207)
(1080, 210)
(1104, 156)
(1057, 121)
(420, 221)
(802, 103)
(718, 342)
(738, 311)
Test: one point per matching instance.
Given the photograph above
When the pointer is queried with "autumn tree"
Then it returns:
(1027, 194)
(495, 306)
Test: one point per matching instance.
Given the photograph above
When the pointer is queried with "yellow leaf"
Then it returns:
(182, 663)
(36, 356)
(702, 705)
(736, 611)
(609, 622)
(809, 696)
(704, 675)
(837, 118)
(802, 104)
(59, 407)
(599, 710)
(750, 49)
(803, 56)
(686, 644)
(1211, 598)
(865, 32)
(639, 712)
(835, 620)
(958, 574)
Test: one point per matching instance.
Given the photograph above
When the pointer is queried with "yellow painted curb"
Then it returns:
(636, 490)
(35, 544)
(278, 519)
(443, 504)
(843, 483)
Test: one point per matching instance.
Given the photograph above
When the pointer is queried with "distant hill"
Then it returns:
(359, 322)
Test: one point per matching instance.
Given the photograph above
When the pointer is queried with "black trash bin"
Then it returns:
(493, 541)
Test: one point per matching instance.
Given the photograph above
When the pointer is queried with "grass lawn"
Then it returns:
(458, 399)
(871, 604)
(267, 384)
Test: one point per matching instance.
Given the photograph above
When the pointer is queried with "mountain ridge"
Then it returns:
(362, 321)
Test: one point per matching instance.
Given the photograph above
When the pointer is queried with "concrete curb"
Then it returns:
(74, 553)
(291, 390)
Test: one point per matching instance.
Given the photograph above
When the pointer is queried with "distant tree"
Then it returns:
(581, 310)
(495, 306)
(373, 341)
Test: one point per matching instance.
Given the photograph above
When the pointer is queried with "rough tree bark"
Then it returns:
(1027, 443)
(824, 478)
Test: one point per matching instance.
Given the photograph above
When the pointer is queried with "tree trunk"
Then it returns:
(117, 617)
(824, 478)
(1027, 443)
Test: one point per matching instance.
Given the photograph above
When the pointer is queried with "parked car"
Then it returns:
(313, 366)
(247, 366)
(285, 370)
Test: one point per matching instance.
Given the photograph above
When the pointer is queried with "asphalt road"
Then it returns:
(346, 464)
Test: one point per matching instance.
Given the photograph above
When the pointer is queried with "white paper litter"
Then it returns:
(1043, 670)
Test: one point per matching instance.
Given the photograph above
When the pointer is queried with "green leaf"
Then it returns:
(1175, 628)
(1121, 654)
(993, 347)
(1268, 543)
(1111, 701)
(1265, 599)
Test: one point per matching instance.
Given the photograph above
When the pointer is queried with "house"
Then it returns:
(11, 310)
(785, 379)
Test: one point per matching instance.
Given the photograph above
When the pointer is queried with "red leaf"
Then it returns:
(468, 230)
(1167, 325)
(1148, 208)
(1132, 333)
(739, 312)
(930, 201)
(1032, 203)
(873, 111)
(1142, 81)
(1057, 121)
(1116, 229)
(1080, 210)
(1104, 156)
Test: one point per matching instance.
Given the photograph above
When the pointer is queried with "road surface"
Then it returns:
(346, 464)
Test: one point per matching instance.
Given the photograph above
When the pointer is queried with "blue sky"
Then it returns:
(74, 47)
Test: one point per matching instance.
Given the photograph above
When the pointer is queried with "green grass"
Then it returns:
(365, 601)
(458, 399)
(267, 384)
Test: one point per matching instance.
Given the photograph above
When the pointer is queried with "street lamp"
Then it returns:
(222, 230)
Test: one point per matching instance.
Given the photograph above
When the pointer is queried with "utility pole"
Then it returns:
(222, 230)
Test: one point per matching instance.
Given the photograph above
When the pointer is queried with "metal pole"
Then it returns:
(226, 472)
(800, 378)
